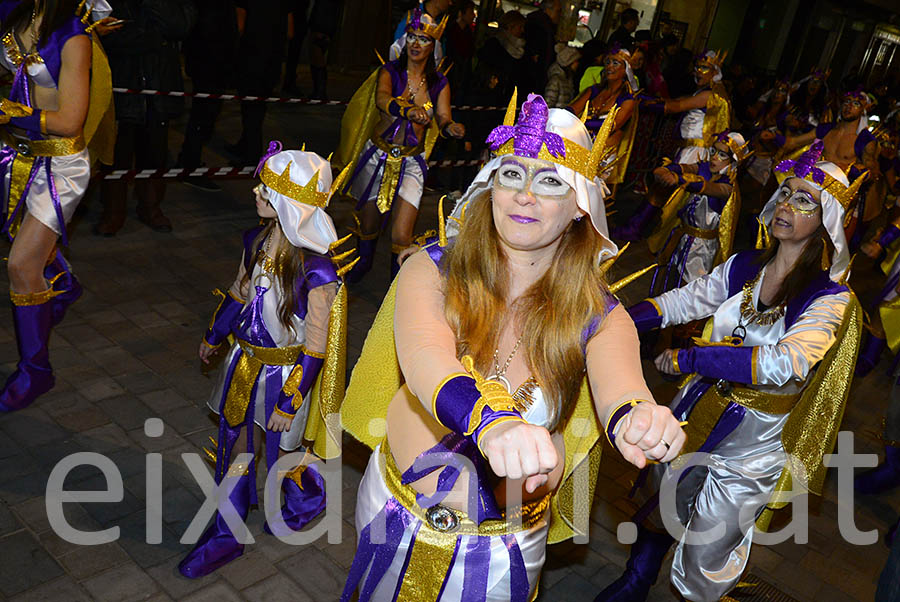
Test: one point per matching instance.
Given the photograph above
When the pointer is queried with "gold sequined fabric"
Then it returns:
(718, 113)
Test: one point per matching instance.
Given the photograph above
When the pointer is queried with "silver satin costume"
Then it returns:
(745, 467)
(374, 495)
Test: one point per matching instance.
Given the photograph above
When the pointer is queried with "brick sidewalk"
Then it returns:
(127, 351)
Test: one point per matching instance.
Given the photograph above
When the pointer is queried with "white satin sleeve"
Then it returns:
(803, 345)
(697, 299)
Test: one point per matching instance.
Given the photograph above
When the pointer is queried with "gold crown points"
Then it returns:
(740, 150)
(282, 184)
(713, 61)
(432, 30)
(836, 188)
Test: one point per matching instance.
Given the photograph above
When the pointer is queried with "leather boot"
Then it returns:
(365, 248)
(218, 546)
(647, 554)
(634, 229)
(883, 477)
(32, 316)
(66, 287)
(304, 499)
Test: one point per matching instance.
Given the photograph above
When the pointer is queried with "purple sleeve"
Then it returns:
(718, 361)
(645, 316)
(890, 234)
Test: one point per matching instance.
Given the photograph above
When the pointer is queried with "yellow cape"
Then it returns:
(100, 124)
(358, 125)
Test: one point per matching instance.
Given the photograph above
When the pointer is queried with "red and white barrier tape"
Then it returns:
(275, 99)
(225, 172)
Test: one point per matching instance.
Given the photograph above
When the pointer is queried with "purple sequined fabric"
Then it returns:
(806, 164)
(530, 131)
(274, 148)
(415, 21)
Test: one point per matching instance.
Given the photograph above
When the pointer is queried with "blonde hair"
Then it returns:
(551, 315)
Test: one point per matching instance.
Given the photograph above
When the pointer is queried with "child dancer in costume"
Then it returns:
(387, 134)
(285, 371)
(48, 120)
(702, 212)
(768, 385)
(521, 278)
(703, 114)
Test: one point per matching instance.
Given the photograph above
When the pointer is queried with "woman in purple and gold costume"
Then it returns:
(285, 371)
(513, 290)
(59, 103)
(387, 134)
(765, 388)
(616, 90)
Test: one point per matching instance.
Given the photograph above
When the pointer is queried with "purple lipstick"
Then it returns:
(522, 219)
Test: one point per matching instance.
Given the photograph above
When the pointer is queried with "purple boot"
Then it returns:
(633, 230)
(365, 247)
(869, 354)
(218, 546)
(304, 499)
(33, 376)
(65, 286)
(647, 554)
(883, 477)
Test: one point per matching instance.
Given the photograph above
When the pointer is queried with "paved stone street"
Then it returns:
(127, 351)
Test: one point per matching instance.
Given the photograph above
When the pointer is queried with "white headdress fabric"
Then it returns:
(832, 218)
(306, 226)
(589, 194)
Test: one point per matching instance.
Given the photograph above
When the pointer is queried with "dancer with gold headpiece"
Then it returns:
(387, 134)
(704, 114)
(767, 384)
(616, 90)
(60, 105)
(284, 373)
(495, 352)
(700, 217)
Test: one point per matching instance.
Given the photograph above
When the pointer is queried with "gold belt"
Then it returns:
(246, 372)
(396, 151)
(712, 404)
(51, 147)
(390, 180)
(711, 234)
(529, 515)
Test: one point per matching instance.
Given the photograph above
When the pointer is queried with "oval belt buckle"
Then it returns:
(442, 519)
(724, 387)
(23, 148)
(395, 151)
(249, 351)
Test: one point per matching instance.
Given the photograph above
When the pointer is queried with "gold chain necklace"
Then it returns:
(413, 93)
(751, 315)
(266, 261)
(499, 373)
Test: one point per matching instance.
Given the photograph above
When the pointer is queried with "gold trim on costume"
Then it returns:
(282, 413)
(51, 147)
(525, 518)
(247, 370)
(39, 298)
(390, 179)
(282, 184)
(710, 234)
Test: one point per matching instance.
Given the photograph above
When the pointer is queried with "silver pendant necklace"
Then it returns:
(499, 374)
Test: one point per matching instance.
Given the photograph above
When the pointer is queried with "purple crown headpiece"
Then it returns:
(530, 131)
(818, 74)
(805, 164)
(858, 93)
(274, 148)
(415, 20)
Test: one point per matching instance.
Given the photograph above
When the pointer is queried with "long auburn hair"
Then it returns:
(55, 14)
(288, 265)
(551, 314)
(806, 268)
